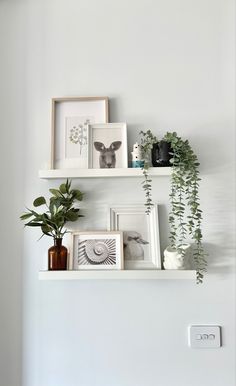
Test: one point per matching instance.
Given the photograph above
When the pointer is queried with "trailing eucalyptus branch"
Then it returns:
(185, 216)
(147, 141)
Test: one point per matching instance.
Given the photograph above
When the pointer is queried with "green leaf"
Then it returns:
(71, 216)
(78, 195)
(25, 216)
(68, 185)
(55, 201)
(46, 230)
(63, 188)
(39, 201)
(55, 192)
(33, 224)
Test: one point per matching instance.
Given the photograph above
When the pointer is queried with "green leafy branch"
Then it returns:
(60, 210)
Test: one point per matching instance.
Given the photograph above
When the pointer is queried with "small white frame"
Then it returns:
(74, 113)
(115, 212)
(85, 261)
(109, 133)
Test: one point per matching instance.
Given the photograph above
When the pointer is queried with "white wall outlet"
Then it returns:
(204, 336)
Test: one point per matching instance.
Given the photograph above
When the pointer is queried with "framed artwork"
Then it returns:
(97, 250)
(70, 119)
(108, 146)
(140, 235)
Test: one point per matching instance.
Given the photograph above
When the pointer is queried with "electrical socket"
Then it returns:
(204, 336)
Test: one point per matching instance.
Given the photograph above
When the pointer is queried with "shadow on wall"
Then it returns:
(218, 255)
(115, 109)
(164, 228)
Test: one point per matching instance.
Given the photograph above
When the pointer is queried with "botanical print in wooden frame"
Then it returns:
(140, 235)
(97, 250)
(108, 146)
(70, 119)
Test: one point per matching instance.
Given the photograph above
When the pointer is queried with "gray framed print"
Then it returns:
(141, 241)
(70, 120)
(108, 146)
(97, 250)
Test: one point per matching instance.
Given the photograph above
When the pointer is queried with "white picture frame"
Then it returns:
(108, 146)
(69, 136)
(140, 235)
(101, 250)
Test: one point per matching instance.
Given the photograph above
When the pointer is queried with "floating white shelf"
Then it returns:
(119, 275)
(91, 173)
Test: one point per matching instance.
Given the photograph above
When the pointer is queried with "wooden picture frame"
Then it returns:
(96, 250)
(69, 139)
(140, 235)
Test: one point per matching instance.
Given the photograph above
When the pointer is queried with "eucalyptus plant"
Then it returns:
(185, 217)
(59, 210)
(147, 142)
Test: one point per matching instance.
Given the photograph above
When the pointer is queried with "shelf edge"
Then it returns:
(102, 173)
(119, 275)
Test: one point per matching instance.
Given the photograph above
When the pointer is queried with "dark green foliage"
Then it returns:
(39, 201)
(60, 210)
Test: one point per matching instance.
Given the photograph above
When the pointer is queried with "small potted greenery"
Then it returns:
(185, 215)
(59, 210)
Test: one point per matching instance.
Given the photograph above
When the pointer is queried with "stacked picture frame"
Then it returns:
(131, 242)
(83, 138)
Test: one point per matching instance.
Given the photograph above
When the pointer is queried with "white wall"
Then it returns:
(12, 125)
(164, 64)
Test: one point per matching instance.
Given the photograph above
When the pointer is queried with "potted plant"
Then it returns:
(59, 210)
(185, 215)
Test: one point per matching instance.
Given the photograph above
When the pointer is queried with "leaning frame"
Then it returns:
(71, 99)
(154, 261)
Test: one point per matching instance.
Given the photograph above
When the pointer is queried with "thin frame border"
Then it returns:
(119, 265)
(112, 225)
(53, 121)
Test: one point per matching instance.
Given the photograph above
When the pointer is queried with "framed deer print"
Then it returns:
(70, 120)
(108, 146)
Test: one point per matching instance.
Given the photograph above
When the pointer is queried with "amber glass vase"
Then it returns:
(57, 256)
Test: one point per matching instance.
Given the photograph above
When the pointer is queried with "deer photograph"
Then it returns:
(107, 155)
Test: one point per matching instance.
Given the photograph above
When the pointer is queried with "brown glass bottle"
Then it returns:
(57, 256)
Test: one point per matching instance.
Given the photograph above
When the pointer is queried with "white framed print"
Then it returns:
(108, 146)
(70, 119)
(97, 250)
(140, 235)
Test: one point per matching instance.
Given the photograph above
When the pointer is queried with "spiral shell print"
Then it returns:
(94, 252)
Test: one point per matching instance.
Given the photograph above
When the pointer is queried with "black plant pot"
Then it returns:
(161, 154)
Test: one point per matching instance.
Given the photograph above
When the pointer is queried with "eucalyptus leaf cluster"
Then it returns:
(147, 142)
(59, 210)
(185, 217)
